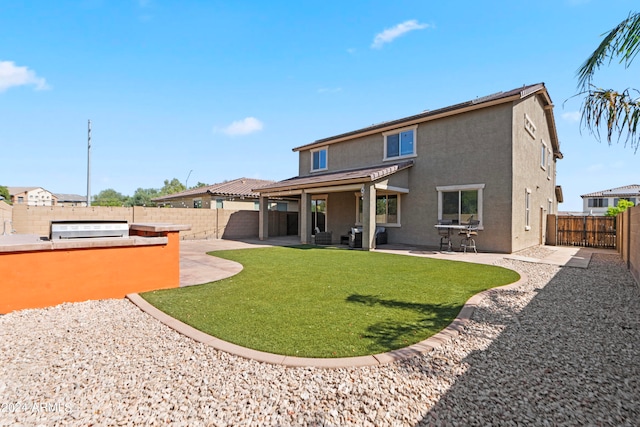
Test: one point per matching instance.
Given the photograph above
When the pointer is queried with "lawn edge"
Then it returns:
(425, 346)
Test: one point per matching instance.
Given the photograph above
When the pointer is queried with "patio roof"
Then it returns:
(632, 190)
(339, 178)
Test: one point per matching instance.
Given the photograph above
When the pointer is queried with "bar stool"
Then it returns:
(468, 240)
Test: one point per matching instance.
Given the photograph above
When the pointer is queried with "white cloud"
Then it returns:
(390, 34)
(243, 127)
(571, 116)
(12, 75)
(329, 90)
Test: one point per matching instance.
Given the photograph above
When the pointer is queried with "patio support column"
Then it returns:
(369, 217)
(305, 218)
(263, 225)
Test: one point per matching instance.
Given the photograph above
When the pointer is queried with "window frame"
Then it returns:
(399, 131)
(326, 159)
(466, 187)
(359, 208)
(543, 155)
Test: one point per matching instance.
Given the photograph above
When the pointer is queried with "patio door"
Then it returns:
(318, 214)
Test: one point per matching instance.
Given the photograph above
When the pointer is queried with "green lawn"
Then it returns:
(326, 302)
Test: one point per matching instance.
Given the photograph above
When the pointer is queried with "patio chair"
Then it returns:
(468, 240)
(445, 233)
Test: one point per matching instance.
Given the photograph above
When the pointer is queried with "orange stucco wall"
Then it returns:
(35, 279)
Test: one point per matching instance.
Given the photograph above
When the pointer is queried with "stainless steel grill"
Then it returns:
(88, 229)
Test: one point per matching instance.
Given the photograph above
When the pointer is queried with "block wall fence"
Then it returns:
(205, 223)
(628, 239)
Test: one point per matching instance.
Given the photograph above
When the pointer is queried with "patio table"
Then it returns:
(450, 227)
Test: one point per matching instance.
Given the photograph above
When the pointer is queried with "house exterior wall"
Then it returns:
(529, 177)
(610, 202)
(488, 147)
(34, 197)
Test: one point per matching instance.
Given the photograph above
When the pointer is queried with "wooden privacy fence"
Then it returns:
(588, 231)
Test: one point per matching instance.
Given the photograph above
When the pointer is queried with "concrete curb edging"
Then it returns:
(431, 343)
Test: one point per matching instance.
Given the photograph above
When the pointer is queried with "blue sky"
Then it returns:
(227, 89)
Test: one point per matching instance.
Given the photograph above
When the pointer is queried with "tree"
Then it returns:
(617, 111)
(623, 205)
(143, 196)
(171, 187)
(109, 197)
(4, 193)
(199, 185)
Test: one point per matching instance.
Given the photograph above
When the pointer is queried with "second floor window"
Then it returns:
(400, 143)
(319, 159)
(598, 203)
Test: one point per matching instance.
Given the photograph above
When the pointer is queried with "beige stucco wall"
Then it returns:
(528, 175)
(489, 147)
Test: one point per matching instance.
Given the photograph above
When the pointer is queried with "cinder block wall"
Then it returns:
(205, 223)
(5, 215)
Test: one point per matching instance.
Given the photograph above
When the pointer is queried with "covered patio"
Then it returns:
(334, 202)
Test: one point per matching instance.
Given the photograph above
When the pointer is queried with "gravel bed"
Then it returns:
(562, 349)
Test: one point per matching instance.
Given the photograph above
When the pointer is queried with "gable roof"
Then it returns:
(241, 187)
(345, 177)
(632, 190)
(478, 103)
(18, 190)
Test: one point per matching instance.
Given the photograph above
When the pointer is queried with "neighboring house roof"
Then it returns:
(18, 190)
(70, 198)
(482, 102)
(241, 187)
(351, 176)
(632, 190)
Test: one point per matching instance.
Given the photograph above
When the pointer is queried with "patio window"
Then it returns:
(319, 214)
(461, 203)
(387, 209)
(400, 143)
(319, 159)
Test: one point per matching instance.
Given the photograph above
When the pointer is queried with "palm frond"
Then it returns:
(616, 112)
(623, 41)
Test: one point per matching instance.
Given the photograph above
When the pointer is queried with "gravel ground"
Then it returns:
(562, 349)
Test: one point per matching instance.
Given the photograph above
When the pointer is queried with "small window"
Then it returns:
(319, 159)
(543, 155)
(197, 203)
(400, 143)
(219, 203)
(529, 126)
(527, 210)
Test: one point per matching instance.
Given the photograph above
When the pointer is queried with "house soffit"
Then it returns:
(338, 180)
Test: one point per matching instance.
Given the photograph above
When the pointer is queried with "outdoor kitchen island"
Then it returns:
(40, 272)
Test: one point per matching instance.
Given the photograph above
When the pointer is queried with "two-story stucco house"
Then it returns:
(492, 159)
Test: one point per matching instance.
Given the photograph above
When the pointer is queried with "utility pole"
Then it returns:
(186, 184)
(89, 164)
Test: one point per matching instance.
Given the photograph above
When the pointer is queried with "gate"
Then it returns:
(588, 231)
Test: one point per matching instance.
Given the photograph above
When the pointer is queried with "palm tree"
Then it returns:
(619, 111)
